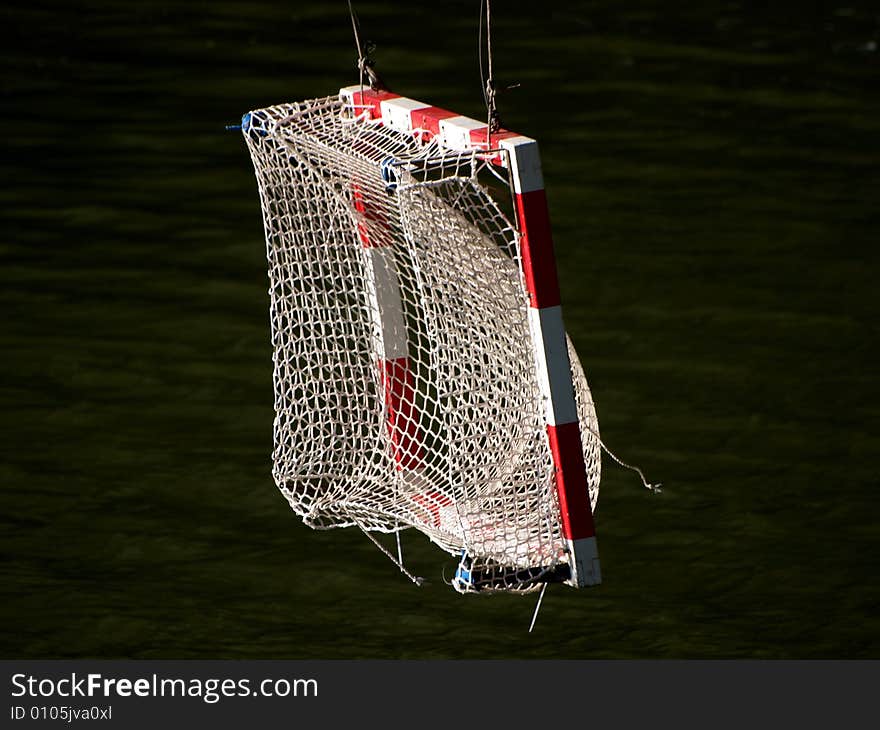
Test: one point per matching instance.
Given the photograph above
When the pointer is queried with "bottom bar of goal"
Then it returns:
(499, 577)
(582, 554)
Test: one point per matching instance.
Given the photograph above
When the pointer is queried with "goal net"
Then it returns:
(416, 382)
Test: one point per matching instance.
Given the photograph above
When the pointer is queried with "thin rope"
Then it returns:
(537, 607)
(480, 55)
(399, 548)
(399, 563)
(656, 488)
(357, 39)
(365, 63)
(493, 123)
(489, 42)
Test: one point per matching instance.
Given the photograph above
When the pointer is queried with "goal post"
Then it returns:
(522, 159)
(422, 373)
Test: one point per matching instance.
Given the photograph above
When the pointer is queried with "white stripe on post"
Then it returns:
(383, 291)
(397, 113)
(554, 368)
(586, 558)
(346, 93)
(455, 132)
(525, 163)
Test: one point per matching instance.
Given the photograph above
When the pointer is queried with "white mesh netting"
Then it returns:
(404, 374)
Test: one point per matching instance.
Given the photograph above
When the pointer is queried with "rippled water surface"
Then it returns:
(712, 171)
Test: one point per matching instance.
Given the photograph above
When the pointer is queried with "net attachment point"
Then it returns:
(390, 174)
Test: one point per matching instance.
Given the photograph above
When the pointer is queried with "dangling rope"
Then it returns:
(399, 547)
(656, 488)
(537, 607)
(399, 563)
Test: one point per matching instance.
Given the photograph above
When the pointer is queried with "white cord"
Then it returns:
(537, 607)
(399, 563)
(656, 488)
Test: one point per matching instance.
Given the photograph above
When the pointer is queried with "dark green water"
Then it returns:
(713, 179)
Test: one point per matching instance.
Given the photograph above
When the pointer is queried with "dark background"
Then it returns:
(712, 172)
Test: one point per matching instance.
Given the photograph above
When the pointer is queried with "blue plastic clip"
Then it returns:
(462, 578)
(248, 124)
(389, 173)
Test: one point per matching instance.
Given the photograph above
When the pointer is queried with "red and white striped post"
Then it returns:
(389, 333)
(545, 313)
(391, 346)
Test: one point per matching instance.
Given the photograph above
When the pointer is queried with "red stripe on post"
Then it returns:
(478, 140)
(397, 382)
(571, 481)
(428, 119)
(373, 100)
(372, 214)
(538, 258)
